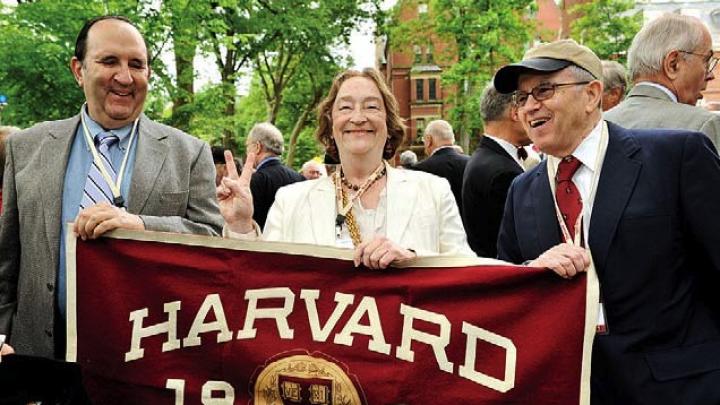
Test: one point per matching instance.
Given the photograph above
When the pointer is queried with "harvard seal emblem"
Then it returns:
(304, 379)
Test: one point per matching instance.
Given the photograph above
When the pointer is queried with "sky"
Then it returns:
(362, 43)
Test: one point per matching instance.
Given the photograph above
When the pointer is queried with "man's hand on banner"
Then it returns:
(234, 195)
(5, 349)
(565, 259)
(380, 252)
(97, 219)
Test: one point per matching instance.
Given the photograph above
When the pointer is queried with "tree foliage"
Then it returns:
(482, 36)
(607, 27)
(289, 44)
(36, 45)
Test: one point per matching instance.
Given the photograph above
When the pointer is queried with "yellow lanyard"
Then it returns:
(343, 209)
(114, 185)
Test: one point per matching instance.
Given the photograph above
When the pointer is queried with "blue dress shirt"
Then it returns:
(78, 166)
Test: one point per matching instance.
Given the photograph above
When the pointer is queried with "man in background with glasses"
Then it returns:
(670, 62)
(639, 205)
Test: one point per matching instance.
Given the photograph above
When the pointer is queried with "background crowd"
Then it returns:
(556, 182)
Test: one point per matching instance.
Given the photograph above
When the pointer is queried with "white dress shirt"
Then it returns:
(587, 153)
(509, 148)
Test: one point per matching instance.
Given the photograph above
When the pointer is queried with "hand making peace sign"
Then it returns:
(234, 196)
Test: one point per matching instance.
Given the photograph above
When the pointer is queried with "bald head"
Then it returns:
(313, 170)
(438, 133)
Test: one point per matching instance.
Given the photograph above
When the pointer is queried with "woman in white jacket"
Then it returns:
(386, 215)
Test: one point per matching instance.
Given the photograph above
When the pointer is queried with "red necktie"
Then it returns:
(567, 195)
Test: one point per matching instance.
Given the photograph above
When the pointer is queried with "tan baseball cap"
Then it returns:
(548, 57)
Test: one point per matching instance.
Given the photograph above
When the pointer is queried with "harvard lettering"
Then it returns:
(321, 332)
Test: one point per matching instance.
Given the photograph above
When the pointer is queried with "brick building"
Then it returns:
(414, 72)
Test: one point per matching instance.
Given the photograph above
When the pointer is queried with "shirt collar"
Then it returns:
(266, 160)
(588, 149)
(95, 128)
(508, 147)
(664, 89)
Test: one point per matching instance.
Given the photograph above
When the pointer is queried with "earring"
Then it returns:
(388, 150)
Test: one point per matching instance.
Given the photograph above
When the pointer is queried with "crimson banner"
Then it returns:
(155, 318)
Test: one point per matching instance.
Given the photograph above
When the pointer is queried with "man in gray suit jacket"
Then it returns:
(149, 176)
(670, 61)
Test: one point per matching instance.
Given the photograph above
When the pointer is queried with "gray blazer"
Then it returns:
(173, 190)
(648, 107)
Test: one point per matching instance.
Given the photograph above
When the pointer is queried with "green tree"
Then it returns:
(36, 45)
(305, 32)
(173, 27)
(482, 35)
(311, 84)
(607, 27)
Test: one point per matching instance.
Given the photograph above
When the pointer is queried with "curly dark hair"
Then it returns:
(395, 126)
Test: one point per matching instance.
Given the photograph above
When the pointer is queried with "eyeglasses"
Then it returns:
(540, 92)
(710, 60)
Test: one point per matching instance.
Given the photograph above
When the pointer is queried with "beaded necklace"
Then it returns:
(344, 205)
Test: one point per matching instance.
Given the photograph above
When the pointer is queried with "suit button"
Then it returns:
(50, 287)
(48, 332)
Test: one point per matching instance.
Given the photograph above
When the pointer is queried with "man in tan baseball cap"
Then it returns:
(549, 57)
(635, 199)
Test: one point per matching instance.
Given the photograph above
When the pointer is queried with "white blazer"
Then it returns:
(421, 214)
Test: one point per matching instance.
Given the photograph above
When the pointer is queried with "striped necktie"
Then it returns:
(96, 188)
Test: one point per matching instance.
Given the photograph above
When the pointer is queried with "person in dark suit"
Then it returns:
(266, 141)
(491, 169)
(648, 216)
(443, 160)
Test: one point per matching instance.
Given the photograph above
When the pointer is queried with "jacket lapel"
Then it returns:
(322, 214)
(547, 228)
(401, 200)
(59, 140)
(617, 181)
(149, 158)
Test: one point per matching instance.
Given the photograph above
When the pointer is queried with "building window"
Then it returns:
(430, 59)
(420, 126)
(419, 89)
(418, 54)
(432, 92)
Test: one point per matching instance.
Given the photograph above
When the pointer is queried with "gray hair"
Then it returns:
(580, 74)
(440, 129)
(494, 105)
(408, 158)
(269, 137)
(660, 37)
(613, 75)
(311, 163)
